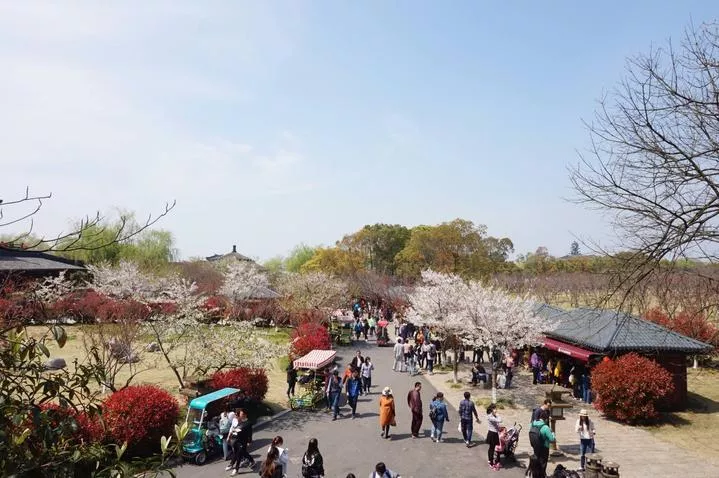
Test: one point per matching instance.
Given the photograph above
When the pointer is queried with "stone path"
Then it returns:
(356, 446)
(638, 452)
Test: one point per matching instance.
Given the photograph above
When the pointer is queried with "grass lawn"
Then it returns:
(696, 428)
(154, 369)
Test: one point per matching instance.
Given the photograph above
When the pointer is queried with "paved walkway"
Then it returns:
(638, 452)
(356, 446)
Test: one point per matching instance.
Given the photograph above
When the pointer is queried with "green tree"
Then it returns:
(456, 247)
(335, 261)
(151, 249)
(274, 266)
(379, 243)
(298, 256)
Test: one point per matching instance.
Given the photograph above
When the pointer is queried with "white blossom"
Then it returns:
(237, 344)
(470, 313)
(312, 290)
(242, 280)
(188, 344)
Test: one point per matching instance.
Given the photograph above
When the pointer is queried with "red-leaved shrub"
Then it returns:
(140, 415)
(252, 381)
(78, 425)
(629, 388)
(694, 325)
(304, 316)
(309, 336)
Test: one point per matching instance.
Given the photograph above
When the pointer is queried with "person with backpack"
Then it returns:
(493, 424)
(270, 468)
(381, 471)
(466, 411)
(541, 438)
(438, 414)
(282, 453)
(226, 419)
(586, 431)
(547, 405)
(312, 462)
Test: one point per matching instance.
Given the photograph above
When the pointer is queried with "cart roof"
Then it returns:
(316, 359)
(203, 401)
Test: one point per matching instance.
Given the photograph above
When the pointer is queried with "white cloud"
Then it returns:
(95, 108)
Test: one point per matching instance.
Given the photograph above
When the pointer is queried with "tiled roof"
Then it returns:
(261, 292)
(604, 330)
(19, 260)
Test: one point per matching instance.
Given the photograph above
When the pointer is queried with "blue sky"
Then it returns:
(274, 123)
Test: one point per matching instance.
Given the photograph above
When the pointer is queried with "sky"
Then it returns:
(273, 123)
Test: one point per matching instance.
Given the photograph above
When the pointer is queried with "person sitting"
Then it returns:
(479, 374)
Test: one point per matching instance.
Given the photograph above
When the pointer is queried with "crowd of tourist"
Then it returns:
(417, 349)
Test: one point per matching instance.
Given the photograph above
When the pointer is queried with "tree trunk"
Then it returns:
(455, 364)
(494, 374)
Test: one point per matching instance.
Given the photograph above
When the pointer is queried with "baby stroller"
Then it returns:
(512, 440)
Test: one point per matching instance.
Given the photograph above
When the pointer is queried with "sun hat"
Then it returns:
(386, 391)
(583, 413)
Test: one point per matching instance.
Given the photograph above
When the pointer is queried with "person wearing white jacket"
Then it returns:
(283, 458)
(585, 430)
(398, 352)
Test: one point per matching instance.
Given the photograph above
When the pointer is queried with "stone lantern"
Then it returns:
(555, 393)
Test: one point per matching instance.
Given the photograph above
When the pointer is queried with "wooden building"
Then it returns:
(587, 335)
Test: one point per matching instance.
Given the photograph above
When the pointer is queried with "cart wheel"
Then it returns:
(201, 458)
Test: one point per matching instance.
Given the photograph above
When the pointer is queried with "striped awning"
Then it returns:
(316, 359)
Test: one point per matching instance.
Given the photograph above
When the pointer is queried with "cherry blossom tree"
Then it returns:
(469, 313)
(501, 321)
(438, 303)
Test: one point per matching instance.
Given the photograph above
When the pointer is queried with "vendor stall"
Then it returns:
(311, 368)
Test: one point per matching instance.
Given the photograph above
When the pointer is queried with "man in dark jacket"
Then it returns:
(240, 438)
(354, 390)
(357, 361)
(414, 400)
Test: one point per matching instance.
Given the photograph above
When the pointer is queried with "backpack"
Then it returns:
(535, 438)
(432, 413)
(561, 472)
(306, 466)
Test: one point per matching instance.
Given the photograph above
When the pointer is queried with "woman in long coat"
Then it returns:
(386, 411)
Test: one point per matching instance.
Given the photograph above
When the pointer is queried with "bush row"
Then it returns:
(140, 414)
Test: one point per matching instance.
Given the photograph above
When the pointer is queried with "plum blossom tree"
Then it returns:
(242, 280)
(176, 323)
(214, 347)
(313, 291)
(173, 307)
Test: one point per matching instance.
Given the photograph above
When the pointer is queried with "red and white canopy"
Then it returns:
(316, 359)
